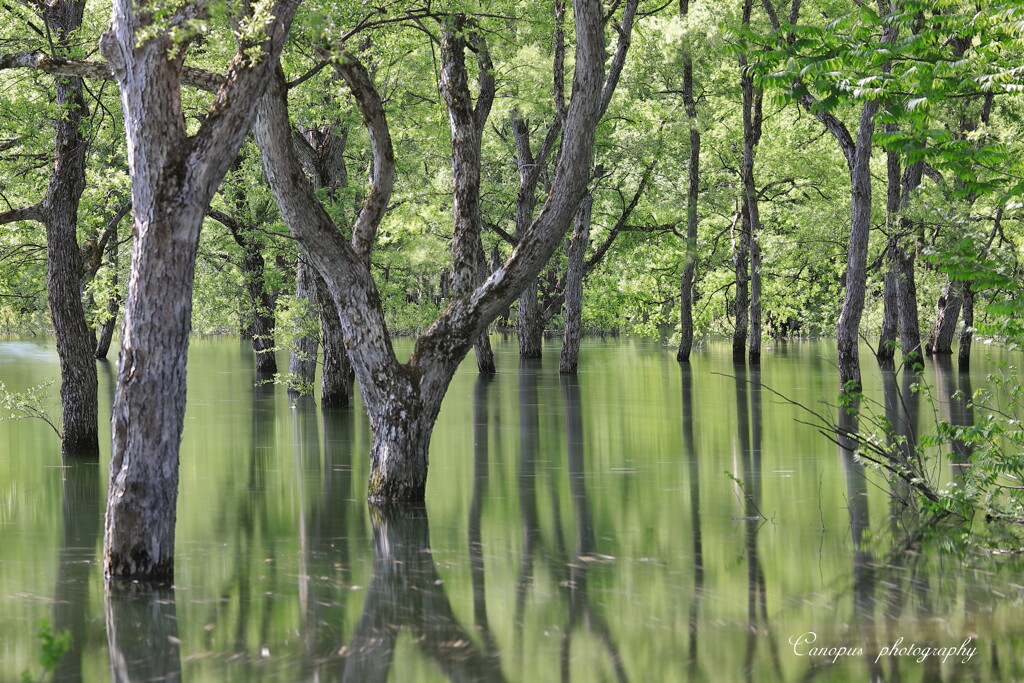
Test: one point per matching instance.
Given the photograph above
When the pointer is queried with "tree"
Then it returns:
(403, 400)
(174, 176)
(58, 211)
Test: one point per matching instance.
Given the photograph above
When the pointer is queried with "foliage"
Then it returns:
(52, 646)
(30, 403)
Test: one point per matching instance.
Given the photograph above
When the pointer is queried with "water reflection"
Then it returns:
(690, 447)
(83, 519)
(748, 453)
(481, 467)
(406, 593)
(142, 632)
(581, 609)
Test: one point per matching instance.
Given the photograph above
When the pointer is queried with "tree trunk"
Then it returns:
(302, 365)
(174, 176)
(113, 303)
(336, 377)
(947, 314)
(530, 327)
(886, 351)
(741, 263)
(75, 343)
(967, 333)
(848, 327)
(468, 263)
(569, 357)
(692, 188)
(402, 401)
(752, 119)
(910, 332)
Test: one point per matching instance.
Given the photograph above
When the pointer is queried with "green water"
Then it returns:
(639, 523)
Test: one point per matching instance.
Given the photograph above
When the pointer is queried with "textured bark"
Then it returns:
(741, 305)
(174, 176)
(530, 325)
(106, 334)
(262, 301)
(692, 188)
(336, 375)
(752, 120)
(967, 333)
(402, 401)
(64, 268)
(902, 260)
(848, 327)
(302, 363)
(886, 351)
(468, 263)
(947, 314)
(569, 357)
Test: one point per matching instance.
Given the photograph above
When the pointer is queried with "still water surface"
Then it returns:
(640, 522)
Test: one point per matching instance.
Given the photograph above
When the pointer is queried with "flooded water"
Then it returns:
(640, 522)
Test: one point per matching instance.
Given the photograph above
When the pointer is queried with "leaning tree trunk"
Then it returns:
(947, 314)
(174, 176)
(75, 343)
(569, 358)
(302, 365)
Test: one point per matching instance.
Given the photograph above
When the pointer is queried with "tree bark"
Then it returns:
(402, 401)
(848, 327)
(886, 351)
(336, 375)
(174, 176)
(902, 259)
(113, 303)
(569, 357)
(947, 314)
(967, 333)
(752, 119)
(741, 265)
(530, 325)
(468, 263)
(692, 188)
(75, 343)
(302, 364)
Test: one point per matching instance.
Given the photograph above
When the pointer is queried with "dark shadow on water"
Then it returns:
(406, 594)
(481, 464)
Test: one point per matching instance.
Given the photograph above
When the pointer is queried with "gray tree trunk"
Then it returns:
(106, 334)
(64, 268)
(886, 351)
(174, 176)
(692, 189)
(403, 400)
(752, 119)
(530, 325)
(468, 263)
(967, 333)
(848, 327)
(336, 375)
(947, 315)
(302, 363)
(902, 259)
(569, 357)
(741, 304)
